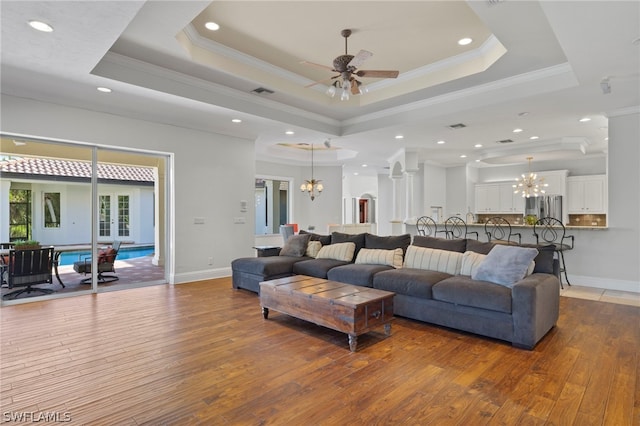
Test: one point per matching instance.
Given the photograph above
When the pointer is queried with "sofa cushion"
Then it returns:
(325, 240)
(296, 246)
(380, 257)
(479, 247)
(387, 242)
(338, 251)
(357, 239)
(505, 265)
(313, 247)
(266, 266)
(465, 291)
(316, 267)
(470, 262)
(544, 259)
(356, 274)
(409, 281)
(433, 259)
(458, 245)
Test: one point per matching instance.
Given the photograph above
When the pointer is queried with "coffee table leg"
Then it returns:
(387, 329)
(265, 312)
(353, 342)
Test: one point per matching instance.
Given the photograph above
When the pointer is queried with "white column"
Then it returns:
(410, 212)
(397, 215)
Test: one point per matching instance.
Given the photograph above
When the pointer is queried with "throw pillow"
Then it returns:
(458, 245)
(470, 262)
(380, 257)
(433, 259)
(479, 247)
(505, 265)
(324, 239)
(387, 242)
(295, 246)
(313, 247)
(338, 251)
(358, 239)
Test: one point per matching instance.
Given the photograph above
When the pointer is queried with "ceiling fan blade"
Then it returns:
(378, 73)
(322, 81)
(359, 59)
(313, 64)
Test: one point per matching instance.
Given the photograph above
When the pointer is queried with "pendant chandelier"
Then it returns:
(529, 185)
(312, 186)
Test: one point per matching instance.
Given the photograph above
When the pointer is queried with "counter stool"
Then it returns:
(552, 231)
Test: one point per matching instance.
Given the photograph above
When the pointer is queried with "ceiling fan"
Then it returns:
(347, 68)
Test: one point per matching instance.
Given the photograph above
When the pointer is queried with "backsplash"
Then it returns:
(514, 219)
(587, 220)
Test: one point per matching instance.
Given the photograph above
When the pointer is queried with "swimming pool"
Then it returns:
(68, 257)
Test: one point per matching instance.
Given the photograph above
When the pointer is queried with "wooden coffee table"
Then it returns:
(342, 307)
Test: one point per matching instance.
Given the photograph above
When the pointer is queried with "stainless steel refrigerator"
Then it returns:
(544, 206)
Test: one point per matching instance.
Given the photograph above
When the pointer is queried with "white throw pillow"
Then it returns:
(313, 247)
(338, 251)
(505, 265)
(380, 257)
(433, 259)
(470, 262)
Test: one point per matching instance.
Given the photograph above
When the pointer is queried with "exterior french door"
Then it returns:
(115, 219)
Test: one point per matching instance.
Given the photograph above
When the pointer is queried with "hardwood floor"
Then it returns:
(201, 353)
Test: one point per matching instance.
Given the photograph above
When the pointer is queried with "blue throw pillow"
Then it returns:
(505, 265)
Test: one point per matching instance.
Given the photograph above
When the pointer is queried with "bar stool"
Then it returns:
(552, 231)
(499, 228)
(455, 227)
(427, 226)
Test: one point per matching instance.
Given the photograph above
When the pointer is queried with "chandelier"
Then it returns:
(529, 185)
(312, 186)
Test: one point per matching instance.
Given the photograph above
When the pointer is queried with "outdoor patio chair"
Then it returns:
(27, 268)
(106, 261)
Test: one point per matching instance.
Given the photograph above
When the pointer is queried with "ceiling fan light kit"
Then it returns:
(347, 68)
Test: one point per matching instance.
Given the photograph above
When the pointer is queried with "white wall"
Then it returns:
(385, 205)
(434, 187)
(213, 173)
(325, 209)
(456, 192)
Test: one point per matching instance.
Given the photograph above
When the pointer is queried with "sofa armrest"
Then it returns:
(535, 308)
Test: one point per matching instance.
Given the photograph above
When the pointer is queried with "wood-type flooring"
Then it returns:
(202, 354)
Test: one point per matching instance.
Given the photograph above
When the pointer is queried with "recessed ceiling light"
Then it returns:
(463, 156)
(355, 173)
(212, 26)
(104, 89)
(399, 137)
(289, 132)
(517, 130)
(585, 119)
(441, 142)
(464, 41)
(364, 165)
(533, 138)
(478, 145)
(478, 160)
(41, 26)
(236, 120)
(606, 139)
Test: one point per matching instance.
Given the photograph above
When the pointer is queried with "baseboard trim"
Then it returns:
(207, 274)
(605, 283)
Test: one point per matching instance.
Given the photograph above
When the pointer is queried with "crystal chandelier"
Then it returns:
(312, 186)
(529, 185)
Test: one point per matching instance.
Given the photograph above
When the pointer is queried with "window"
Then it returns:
(51, 210)
(19, 214)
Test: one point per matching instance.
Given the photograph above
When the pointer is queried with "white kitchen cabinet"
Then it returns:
(487, 198)
(587, 194)
(556, 181)
(510, 202)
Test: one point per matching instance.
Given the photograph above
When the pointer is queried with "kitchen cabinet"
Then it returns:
(587, 194)
(487, 198)
(498, 198)
(556, 182)
(510, 202)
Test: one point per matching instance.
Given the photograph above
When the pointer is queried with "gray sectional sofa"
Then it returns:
(520, 312)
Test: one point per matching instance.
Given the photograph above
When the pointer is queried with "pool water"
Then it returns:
(68, 257)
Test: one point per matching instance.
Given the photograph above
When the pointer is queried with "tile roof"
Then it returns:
(75, 169)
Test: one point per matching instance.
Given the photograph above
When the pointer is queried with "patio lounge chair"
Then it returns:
(106, 261)
(27, 268)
